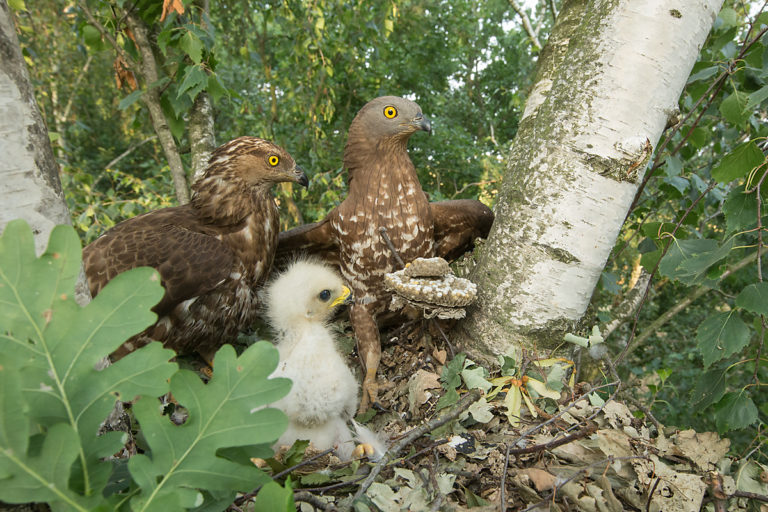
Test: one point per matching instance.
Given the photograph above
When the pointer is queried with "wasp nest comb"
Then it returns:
(429, 284)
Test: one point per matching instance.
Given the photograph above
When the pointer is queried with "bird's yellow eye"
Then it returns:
(273, 160)
(390, 112)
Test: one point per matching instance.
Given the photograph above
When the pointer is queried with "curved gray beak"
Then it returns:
(301, 177)
(422, 122)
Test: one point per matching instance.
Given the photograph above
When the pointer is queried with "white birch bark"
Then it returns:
(609, 78)
(30, 187)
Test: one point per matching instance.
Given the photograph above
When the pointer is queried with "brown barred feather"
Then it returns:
(384, 191)
(212, 254)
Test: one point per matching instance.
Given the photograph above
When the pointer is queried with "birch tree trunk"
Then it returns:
(607, 81)
(30, 187)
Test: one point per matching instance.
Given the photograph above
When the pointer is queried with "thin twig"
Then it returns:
(606, 462)
(109, 37)
(587, 431)
(462, 405)
(245, 497)
(750, 496)
(654, 327)
(391, 246)
(313, 500)
(128, 151)
(682, 218)
(334, 486)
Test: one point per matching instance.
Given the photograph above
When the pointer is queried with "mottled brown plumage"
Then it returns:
(384, 191)
(212, 254)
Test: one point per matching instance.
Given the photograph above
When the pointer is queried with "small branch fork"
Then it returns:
(462, 405)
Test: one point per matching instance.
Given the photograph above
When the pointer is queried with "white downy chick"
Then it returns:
(324, 395)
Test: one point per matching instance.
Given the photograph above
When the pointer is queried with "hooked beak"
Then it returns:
(301, 177)
(344, 298)
(422, 122)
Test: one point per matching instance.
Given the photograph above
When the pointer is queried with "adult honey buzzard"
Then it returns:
(212, 254)
(384, 192)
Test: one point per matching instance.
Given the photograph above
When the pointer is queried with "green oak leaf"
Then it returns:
(228, 411)
(54, 345)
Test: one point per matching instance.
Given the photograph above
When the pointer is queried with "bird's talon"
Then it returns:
(363, 450)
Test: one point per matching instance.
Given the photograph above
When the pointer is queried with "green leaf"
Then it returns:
(721, 335)
(55, 344)
(130, 99)
(43, 478)
(735, 411)
(710, 388)
(228, 411)
(195, 80)
(734, 108)
(192, 46)
(610, 283)
(474, 376)
(650, 259)
(729, 17)
(655, 230)
(450, 397)
(689, 260)
(704, 74)
(451, 374)
(556, 376)
(17, 5)
(215, 88)
(740, 210)
(738, 163)
(754, 298)
(756, 98)
(91, 36)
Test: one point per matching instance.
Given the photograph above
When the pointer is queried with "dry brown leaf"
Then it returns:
(123, 75)
(418, 387)
(617, 414)
(705, 449)
(170, 6)
(439, 355)
(541, 480)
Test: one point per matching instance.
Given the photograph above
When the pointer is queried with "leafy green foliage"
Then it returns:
(707, 232)
(721, 335)
(222, 414)
(53, 398)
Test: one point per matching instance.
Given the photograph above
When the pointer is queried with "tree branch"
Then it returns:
(462, 405)
(526, 24)
(152, 100)
(683, 304)
(128, 151)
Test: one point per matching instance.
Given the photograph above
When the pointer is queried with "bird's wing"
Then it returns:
(316, 239)
(457, 224)
(190, 263)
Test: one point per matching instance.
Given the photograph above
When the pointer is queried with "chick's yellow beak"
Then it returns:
(345, 293)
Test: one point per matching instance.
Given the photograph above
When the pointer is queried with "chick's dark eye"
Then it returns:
(325, 295)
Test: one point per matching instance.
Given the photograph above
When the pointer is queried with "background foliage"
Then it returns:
(297, 72)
